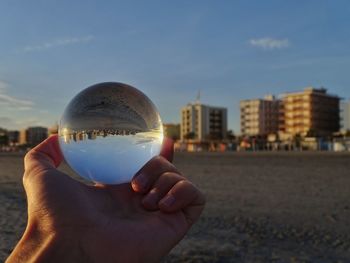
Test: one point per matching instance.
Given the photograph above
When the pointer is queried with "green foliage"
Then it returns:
(190, 136)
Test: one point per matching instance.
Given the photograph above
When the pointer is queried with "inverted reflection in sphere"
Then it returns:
(109, 131)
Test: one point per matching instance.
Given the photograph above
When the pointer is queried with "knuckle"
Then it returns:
(172, 177)
(27, 175)
(158, 160)
(25, 178)
(29, 163)
(152, 164)
(28, 157)
(185, 183)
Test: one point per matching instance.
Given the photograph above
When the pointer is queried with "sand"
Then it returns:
(261, 207)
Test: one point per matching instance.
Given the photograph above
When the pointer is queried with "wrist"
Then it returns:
(37, 245)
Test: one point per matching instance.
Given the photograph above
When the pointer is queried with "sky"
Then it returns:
(171, 50)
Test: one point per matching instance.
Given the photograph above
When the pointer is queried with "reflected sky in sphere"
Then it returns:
(109, 131)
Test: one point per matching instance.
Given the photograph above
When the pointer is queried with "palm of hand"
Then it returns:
(112, 216)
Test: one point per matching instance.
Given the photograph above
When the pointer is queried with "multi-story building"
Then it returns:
(22, 137)
(32, 136)
(13, 137)
(311, 112)
(259, 116)
(345, 116)
(3, 137)
(36, 135)
(203, 122)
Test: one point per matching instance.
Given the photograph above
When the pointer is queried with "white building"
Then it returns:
(345, 116)
(203, 122)
(259, 116)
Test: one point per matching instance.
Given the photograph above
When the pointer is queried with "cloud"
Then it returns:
(11, 124)
(11, 102)
(58, 43)
(269, 43)
(6, 123)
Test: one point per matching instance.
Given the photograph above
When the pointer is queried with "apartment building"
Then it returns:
(259, 116)
(32, 136)
(203, 122)
(13, 137)
(345, 116)
(311, 112)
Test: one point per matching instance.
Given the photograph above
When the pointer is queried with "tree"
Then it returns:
(312, 133)
(190, 136)
(3, 137)
(214, 136)
(347, 133)
(297, 140)
(230, 135)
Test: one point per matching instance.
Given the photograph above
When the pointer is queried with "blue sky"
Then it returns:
(229, 50)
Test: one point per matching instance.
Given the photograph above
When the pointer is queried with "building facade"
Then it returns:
(311, 112)
(345, 116)
(22, 137)
(32, 136)
(3, 137)
(13, 138)
(203, 122)
(259, 116)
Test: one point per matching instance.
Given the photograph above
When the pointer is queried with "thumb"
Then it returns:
(39, 165)
(47, 155)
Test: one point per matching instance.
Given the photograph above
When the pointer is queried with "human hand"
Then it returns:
(69, 221)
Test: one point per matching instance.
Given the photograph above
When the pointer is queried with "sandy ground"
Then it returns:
(261, 207)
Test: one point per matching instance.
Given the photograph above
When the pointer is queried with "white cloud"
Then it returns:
(6, 100)
(10, 102)
(269, 43)
(57, 43)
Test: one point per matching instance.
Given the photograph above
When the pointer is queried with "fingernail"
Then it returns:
(168, 200)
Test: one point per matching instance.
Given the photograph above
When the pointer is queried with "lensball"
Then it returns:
(109, 131)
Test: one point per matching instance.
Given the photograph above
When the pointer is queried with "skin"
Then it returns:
(69, 221)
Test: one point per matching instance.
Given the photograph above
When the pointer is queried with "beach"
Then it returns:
(261, 207)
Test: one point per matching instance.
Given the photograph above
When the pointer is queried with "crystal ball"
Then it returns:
(109, 131)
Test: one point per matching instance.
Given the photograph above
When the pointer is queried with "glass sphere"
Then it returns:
(109, 131)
